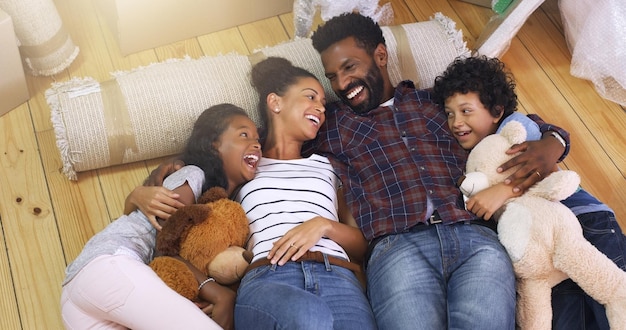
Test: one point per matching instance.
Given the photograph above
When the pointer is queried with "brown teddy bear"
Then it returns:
(210, 235)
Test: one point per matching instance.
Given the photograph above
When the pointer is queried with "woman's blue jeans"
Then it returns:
(302, 295)
(439, 276)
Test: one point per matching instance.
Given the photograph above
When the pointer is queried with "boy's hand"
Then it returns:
(538, 159)
(160, 173)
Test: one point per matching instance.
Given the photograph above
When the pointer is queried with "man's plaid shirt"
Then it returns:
(394, 159)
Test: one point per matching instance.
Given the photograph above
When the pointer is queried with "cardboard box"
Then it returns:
(13, 88)
(144, 24)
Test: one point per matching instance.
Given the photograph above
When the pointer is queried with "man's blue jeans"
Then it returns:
(302, 295)
(572, 308)
(455, 276)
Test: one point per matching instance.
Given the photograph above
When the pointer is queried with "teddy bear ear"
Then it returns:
(212, 195)
(514, 131)
(169, 238)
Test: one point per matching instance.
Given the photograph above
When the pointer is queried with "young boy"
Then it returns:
(478, 96)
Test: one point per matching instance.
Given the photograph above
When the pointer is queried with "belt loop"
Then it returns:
(273, 267)
(326, 262)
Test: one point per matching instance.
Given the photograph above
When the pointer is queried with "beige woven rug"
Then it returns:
(45, 46)
(148, 112)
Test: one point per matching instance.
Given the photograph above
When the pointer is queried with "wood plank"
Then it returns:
(8, 301)
(263, 33)
(606, 120)
(223, 42)
(117, 182)
(32, 238)
(597, 124)
(474, 19)
(79, 206)
(189, 47)
(555, 108)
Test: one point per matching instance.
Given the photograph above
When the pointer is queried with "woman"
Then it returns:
(302, 237)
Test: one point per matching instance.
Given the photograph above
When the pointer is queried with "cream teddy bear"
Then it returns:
(543, 237)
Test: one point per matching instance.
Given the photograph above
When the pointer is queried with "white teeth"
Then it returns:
(313, 118)
(354, 92)
(251, 159)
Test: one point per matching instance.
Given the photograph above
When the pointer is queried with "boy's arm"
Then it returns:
(538, 158)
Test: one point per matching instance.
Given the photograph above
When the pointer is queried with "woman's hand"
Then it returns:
(297, 241)
(154, 202)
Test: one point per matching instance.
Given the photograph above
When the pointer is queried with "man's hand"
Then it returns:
(160, 173)
(537, 160)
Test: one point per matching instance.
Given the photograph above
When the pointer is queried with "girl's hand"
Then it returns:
(154, 202)
(297, 241)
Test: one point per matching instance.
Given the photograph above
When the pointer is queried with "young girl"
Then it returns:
(301, 235)
(109, 285)
(478, 96)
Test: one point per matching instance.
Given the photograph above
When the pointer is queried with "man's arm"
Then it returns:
(538, 158)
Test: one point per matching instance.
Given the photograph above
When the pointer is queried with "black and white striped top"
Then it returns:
(286, 193)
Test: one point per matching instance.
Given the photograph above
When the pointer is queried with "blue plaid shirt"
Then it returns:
(399, 163)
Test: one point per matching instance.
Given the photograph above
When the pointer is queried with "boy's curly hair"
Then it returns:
(485, 76)
(363, 29)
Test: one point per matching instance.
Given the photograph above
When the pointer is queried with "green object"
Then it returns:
(501, 5)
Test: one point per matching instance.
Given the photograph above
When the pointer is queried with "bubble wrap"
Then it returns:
(304, 11)
(596, 35)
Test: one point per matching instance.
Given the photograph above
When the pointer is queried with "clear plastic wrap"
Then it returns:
(596, 35)
(304, 11)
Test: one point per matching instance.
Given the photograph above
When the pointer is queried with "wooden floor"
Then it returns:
(46, 219)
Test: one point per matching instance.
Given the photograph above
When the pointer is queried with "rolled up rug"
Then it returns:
(45, 45)
(148, 112)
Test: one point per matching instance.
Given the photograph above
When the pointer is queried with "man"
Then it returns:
(432, 264)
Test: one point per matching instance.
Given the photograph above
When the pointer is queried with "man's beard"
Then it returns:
(373, 82)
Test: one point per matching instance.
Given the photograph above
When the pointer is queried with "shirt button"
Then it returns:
(403, 133)
(412, 149)
(430, 192)
(422, 168)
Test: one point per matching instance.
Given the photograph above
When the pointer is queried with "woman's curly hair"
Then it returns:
(485, 76)
(201, 146)
(363, 29)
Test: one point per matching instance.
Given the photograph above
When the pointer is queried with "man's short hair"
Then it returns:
(363, 29)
